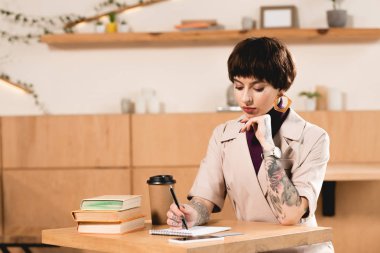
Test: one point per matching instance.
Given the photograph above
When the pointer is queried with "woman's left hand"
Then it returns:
(262, 127)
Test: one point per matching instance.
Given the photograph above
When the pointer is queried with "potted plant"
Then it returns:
(336, 17)
(310, 99)
(111, 26)
(100, 27)
(123, 27)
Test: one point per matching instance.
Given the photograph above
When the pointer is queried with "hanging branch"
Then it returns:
(38, 21)
(109, 3)
(117, 11)
(47, 24)
(28, 88)
(22, 38)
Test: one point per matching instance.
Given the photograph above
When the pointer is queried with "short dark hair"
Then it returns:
(265, 59)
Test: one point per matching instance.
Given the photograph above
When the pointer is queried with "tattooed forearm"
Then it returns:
(290, 195)
(203, 213)
(281, 191)
(275, 203)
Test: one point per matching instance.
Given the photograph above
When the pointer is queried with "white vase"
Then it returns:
(334, 99)
(140, 104)
(100, 28)
(153, 104)
(123, 28)
(310, 104)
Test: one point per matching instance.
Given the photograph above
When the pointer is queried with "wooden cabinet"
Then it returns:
(49, 163)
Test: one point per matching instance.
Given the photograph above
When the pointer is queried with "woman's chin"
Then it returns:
(255, 113)
(251, 115)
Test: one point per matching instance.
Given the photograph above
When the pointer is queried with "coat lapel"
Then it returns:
(232, 129)
(292, 128)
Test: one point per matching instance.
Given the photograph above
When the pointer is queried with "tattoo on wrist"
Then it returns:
(203, 214)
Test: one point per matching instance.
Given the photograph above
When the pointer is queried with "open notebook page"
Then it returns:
(193, 231)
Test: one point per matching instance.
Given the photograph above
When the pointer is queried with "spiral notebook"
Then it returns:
(193, 231)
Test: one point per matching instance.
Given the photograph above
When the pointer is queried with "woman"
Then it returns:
(270, 161)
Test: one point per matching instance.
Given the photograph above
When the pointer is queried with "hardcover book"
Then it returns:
(111, 202)
(105, 215)
(133, 224)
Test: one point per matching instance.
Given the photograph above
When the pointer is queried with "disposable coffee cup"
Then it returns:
(160, 197)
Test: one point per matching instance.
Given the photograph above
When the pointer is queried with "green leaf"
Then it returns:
(309, 94)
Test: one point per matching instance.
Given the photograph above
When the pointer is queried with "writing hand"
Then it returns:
(175, 215)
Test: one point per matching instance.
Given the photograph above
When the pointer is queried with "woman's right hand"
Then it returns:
(175, 216)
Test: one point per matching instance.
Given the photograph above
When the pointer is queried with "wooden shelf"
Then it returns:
(345, 35)
(353, 172)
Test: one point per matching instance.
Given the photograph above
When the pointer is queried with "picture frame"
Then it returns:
(274, 17)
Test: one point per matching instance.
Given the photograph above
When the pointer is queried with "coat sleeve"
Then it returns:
(308, 177)
(209, 182)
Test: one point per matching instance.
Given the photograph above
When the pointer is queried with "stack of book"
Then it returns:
(110, 214)
(199, 24)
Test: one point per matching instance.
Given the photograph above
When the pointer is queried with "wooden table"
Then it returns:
(256, 237)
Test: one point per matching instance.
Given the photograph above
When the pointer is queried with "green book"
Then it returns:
(111, 202)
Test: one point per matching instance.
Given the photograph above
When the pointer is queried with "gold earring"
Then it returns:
(278, 106)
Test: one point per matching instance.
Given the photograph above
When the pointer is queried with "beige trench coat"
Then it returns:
(228, 169)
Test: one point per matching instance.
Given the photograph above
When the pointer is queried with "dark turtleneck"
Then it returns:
(255, 149)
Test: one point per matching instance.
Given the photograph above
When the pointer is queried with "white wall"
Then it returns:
(187, 79)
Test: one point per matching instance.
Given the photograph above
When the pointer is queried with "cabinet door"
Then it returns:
(354, 135)
(173, 139)
(36, 199)
(66, 141)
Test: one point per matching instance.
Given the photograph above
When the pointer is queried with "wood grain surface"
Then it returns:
(256, 237)
(66, 141)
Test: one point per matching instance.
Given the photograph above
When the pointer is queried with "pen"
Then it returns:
(177, 204)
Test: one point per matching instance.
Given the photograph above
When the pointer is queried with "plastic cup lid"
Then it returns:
(161, 179)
